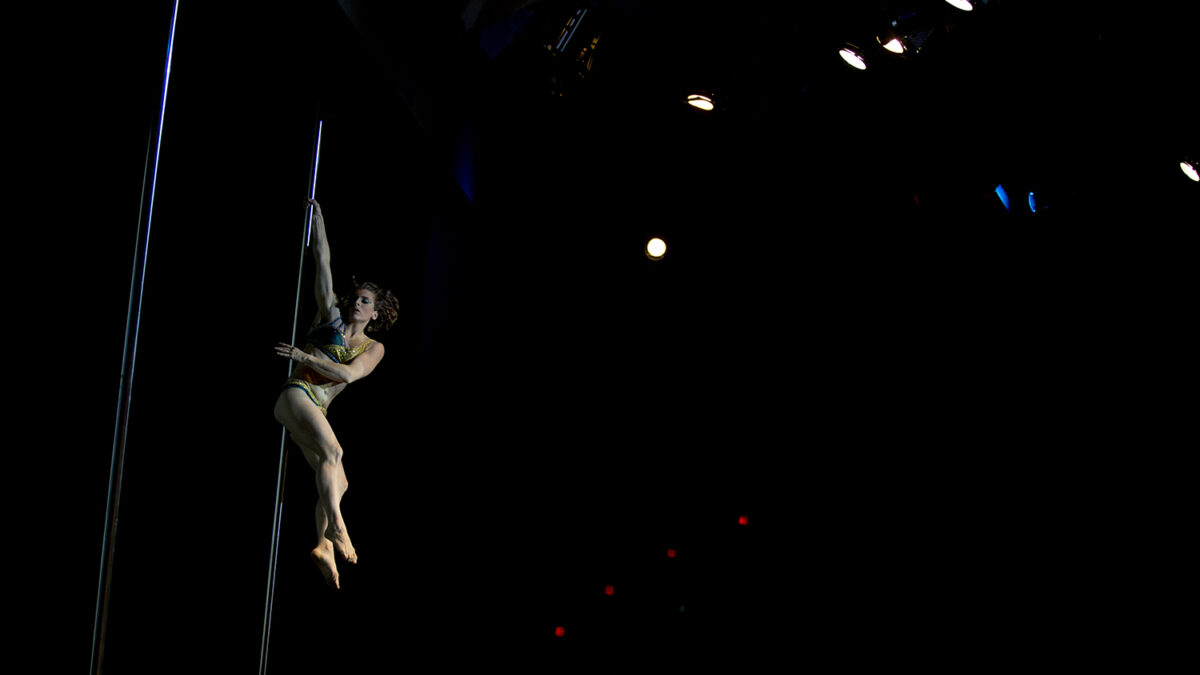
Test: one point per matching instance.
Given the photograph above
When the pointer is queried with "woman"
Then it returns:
(337, 353)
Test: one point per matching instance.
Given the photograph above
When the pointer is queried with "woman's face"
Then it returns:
(363, 307)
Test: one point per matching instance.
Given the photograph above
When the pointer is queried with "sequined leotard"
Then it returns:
(330, 340)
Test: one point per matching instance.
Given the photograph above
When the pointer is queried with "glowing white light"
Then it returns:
(700, 101)
(1190, 170)
(656, 248)
(964, 5)
(894, 46)
(849, 56)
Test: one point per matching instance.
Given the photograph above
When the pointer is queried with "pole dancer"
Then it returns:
(337, 352)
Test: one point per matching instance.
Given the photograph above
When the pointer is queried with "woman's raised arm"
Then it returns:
(326, 300)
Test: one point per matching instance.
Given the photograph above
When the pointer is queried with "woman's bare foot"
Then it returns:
(341, 543)
(322, 556)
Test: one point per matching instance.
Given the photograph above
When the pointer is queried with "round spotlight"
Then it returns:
(850, 54)
(1189, 169)
(700, 101)
(964, 5)
(894, 45)
(656, 248)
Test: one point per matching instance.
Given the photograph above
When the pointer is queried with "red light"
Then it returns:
(743, 520)
(670, 553)
(560, 631)
(609, 590)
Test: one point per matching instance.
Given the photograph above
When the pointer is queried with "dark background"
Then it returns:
(948, 424)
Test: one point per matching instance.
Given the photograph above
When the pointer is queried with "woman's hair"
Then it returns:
(385, 303)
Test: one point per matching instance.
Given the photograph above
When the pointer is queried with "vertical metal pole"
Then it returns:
(128, 361)
(264, 648)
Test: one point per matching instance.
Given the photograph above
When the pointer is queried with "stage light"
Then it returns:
(743, 520)
(905, 34)
(853, 55)
(701, 102)
(656, 248)
(1032, 202)
(609, 590)
(1003, 195)
(573, 52)
(559, 631)
(893, 45)
(964, 5)
(1189, 169)
(670, 553)
(567, 32)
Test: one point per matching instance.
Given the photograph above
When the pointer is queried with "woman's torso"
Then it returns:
(327, 341)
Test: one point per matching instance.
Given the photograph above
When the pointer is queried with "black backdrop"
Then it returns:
(944, 421)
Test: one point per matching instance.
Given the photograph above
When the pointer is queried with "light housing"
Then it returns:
(892, 44)
(853, 55)
(1189, 168)
(701, 101)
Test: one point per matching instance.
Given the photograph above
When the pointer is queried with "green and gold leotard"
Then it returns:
(330, 340)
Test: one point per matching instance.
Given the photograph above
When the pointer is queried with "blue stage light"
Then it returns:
(1000, 192)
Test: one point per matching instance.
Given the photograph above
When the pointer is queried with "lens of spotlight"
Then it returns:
(964, 5)
(894, 46)
(851, 56)
(700, 101)
(1190, 170)
(656, 248)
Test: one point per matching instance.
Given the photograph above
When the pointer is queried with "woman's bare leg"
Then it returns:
(323, 521)
(311, 431)
(331, 479)
(322, 554)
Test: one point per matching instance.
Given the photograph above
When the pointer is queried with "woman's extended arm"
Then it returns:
(326, 300)
(358, 368)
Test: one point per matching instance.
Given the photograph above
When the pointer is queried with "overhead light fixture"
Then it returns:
(1189, 169)
(853, 55)
(964, 5)
(894, 45)
(701, 101)
(559, 45)
(656, 248)
(573, 51)
(1003, 195)
(906, 33)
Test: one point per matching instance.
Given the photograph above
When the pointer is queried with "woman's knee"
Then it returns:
(329, 452)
